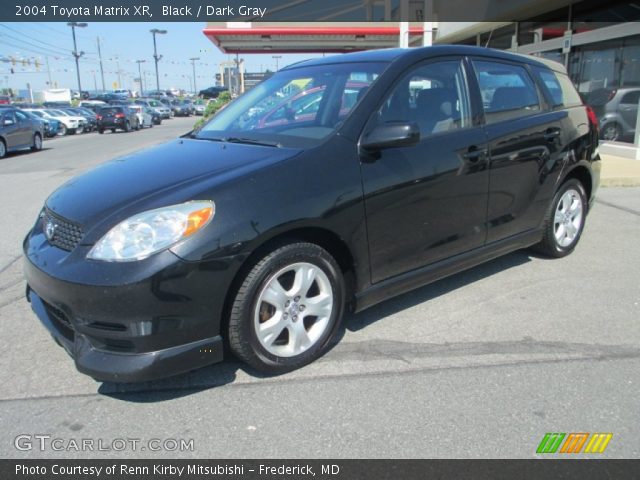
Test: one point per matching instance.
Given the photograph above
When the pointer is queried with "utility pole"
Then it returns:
(118, 72)
(101, 68)
(156, 57)
(140, 62)
(193, 64)
(48, 72)
(276, 57)
(77, 55)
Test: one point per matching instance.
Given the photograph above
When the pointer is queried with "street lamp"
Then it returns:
(276, 57)
(193, 64)
(77, 55)
(156, 57)
(139, 62)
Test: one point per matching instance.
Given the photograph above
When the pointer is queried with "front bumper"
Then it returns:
(128, 323)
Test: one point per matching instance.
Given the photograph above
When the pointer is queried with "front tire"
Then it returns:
(287, 309)
(565, 220)
(37, 143)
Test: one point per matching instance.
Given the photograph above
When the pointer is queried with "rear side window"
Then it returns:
(559, 87)
(631, 98)
(507, 91)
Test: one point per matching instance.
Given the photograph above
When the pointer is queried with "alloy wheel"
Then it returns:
(293, 310)
(568, 218)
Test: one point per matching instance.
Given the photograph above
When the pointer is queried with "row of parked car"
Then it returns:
(25, 126)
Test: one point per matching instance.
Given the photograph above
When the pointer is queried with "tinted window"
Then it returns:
(21, 116)
(433, 95)
(559, 87)
(110, 111)
(631, 98)
(507, 91)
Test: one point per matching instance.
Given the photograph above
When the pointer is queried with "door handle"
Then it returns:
(475, 154)
(551, 134)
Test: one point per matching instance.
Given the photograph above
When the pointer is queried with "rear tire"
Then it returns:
(3, 149)
(611, 132)
(565, 219)
(287, 309)
(113, 130)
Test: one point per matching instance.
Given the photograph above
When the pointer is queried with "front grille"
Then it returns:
(60, 320)
(60, 232)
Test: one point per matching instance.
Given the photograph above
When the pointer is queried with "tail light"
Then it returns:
(119, 115)
(98, 117)
(592, 116)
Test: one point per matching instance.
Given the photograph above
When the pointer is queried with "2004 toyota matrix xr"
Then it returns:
(374, 173)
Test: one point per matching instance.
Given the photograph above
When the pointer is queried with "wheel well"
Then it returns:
(326, 239)
(584, 177)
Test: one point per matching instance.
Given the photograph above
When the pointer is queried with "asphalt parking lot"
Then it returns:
(481, 364)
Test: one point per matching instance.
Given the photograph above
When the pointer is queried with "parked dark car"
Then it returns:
(261, 237)
(19, 131)
(617, 111)
(156, 118)
(212, 92)
(117, 117)
(180, 109)
(108, 98)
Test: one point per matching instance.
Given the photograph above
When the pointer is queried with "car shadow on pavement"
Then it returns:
(358, 321)
(225, 373)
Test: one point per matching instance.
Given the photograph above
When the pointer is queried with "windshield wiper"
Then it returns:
(247, 141)
(250, 141)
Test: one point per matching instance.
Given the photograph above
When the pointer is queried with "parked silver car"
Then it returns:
(18, 131)
(617, 111)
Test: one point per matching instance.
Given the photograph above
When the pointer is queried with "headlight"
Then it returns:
(149, 232)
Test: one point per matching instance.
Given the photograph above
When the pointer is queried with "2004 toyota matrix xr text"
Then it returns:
(384, 171)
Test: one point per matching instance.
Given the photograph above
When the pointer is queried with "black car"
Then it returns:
(340, 182)
(180, 108)
(117, 117)
(212, 92)
(19, 131)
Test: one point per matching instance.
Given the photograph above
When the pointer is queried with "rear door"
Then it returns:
(525, 140)
(426, 202)
(629, 108)
(25, 128)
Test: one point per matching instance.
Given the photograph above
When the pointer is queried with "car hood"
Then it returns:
(167, 174)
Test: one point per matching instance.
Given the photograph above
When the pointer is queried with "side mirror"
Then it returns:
(391, 135)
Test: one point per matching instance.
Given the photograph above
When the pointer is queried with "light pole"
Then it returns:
(77, 55)
(193, 64)
(156, 57)
(140, 62)
(276, 57)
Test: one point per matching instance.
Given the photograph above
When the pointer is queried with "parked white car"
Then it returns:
(67, 125)
(199, 106)
(73, 124)
(144, 117)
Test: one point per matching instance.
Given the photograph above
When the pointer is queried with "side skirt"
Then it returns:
(428, 274)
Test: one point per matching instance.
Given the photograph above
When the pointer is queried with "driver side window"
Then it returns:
(434, 96)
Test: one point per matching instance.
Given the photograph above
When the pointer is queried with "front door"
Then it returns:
(426, 202)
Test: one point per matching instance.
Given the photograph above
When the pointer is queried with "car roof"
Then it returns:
(394, 54)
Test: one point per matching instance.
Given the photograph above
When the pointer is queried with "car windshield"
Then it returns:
(37, 113)
(155, 103)
(297, 107)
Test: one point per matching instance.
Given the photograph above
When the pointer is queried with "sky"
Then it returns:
(121, 45)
